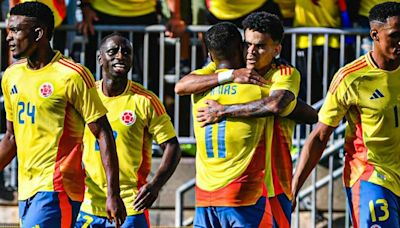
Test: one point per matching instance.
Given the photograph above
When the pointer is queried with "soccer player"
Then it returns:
(229, 169)
(366, 92)
(263, 34)
(48, 98)
(137, 117)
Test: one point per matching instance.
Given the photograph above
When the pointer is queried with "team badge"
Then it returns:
(375, 226)
(46, 89)
(128, 117)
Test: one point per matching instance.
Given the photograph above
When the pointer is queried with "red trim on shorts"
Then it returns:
(66, 210)
(278, 213)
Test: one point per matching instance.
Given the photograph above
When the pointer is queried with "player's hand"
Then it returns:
(248, 76)
(86, 25)
(116, 211)
(148, 193)
(175, 28)
(210, 114)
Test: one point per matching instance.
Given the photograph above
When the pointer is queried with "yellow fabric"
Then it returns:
(366, 6)
(232, 9)
(133, 140)
(287, 7)
(309, 15)
(222, 154)
(125, 8)
(368, 97)
(280, 78)
(43, 122)
(57, 6)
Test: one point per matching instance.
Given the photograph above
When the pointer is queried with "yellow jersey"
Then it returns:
(232, 9)
(327, 14)
(278, 130)
(229, 170)
(137, 117)
(369, 99)
(125, 8)
(49, 108)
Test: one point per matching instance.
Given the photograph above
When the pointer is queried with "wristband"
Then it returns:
(225, 76)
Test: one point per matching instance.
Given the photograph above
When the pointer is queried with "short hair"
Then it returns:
(264, 22)
(381, 12)
(103, 41)
(41, 12)
(223, 40)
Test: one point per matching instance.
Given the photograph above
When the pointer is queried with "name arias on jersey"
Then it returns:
(128, 117)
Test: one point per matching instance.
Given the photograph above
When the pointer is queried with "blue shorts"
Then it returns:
(281, 209)
(88, 220)
(48, 209)
(373, 205)
(244, 216)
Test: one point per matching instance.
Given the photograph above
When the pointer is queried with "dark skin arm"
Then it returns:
(149, 192)
(115, 207)
(271, 105)
(310, 155)
(303, 113)
(8, 147)
(193, 83)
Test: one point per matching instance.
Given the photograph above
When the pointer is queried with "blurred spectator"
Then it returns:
(129, 12)
(235, 11)
(287, 10)
(316, 13)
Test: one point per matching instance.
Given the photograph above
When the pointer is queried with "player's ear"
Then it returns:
(99, 59)
(39, 33)
(277, 50)
(374, 34)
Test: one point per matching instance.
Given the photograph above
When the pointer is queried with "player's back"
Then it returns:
(226, 149)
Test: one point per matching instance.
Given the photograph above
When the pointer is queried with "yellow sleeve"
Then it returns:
(160, 125)
(6, 95)
(287, 78)
(337, 102)
(83, 96)
(209, 69)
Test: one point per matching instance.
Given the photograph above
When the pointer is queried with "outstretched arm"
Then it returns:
(8, 147)
(149, 192)
(194, 83)
(115, 207)
(271, 105)
(310, 155)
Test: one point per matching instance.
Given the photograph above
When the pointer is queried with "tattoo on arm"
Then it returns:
(271, 105)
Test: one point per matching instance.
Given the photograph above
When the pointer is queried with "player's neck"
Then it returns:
(384, 63)
(262, 71)
(114, 87)
(228, 64)
(41, 57)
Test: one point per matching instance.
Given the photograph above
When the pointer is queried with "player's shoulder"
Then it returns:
(283, 68)
(135, 88)
(75, 71)
(21, 63)
(350, 73)
(146, 97)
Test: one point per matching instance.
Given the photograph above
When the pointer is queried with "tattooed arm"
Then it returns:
(271, 105)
